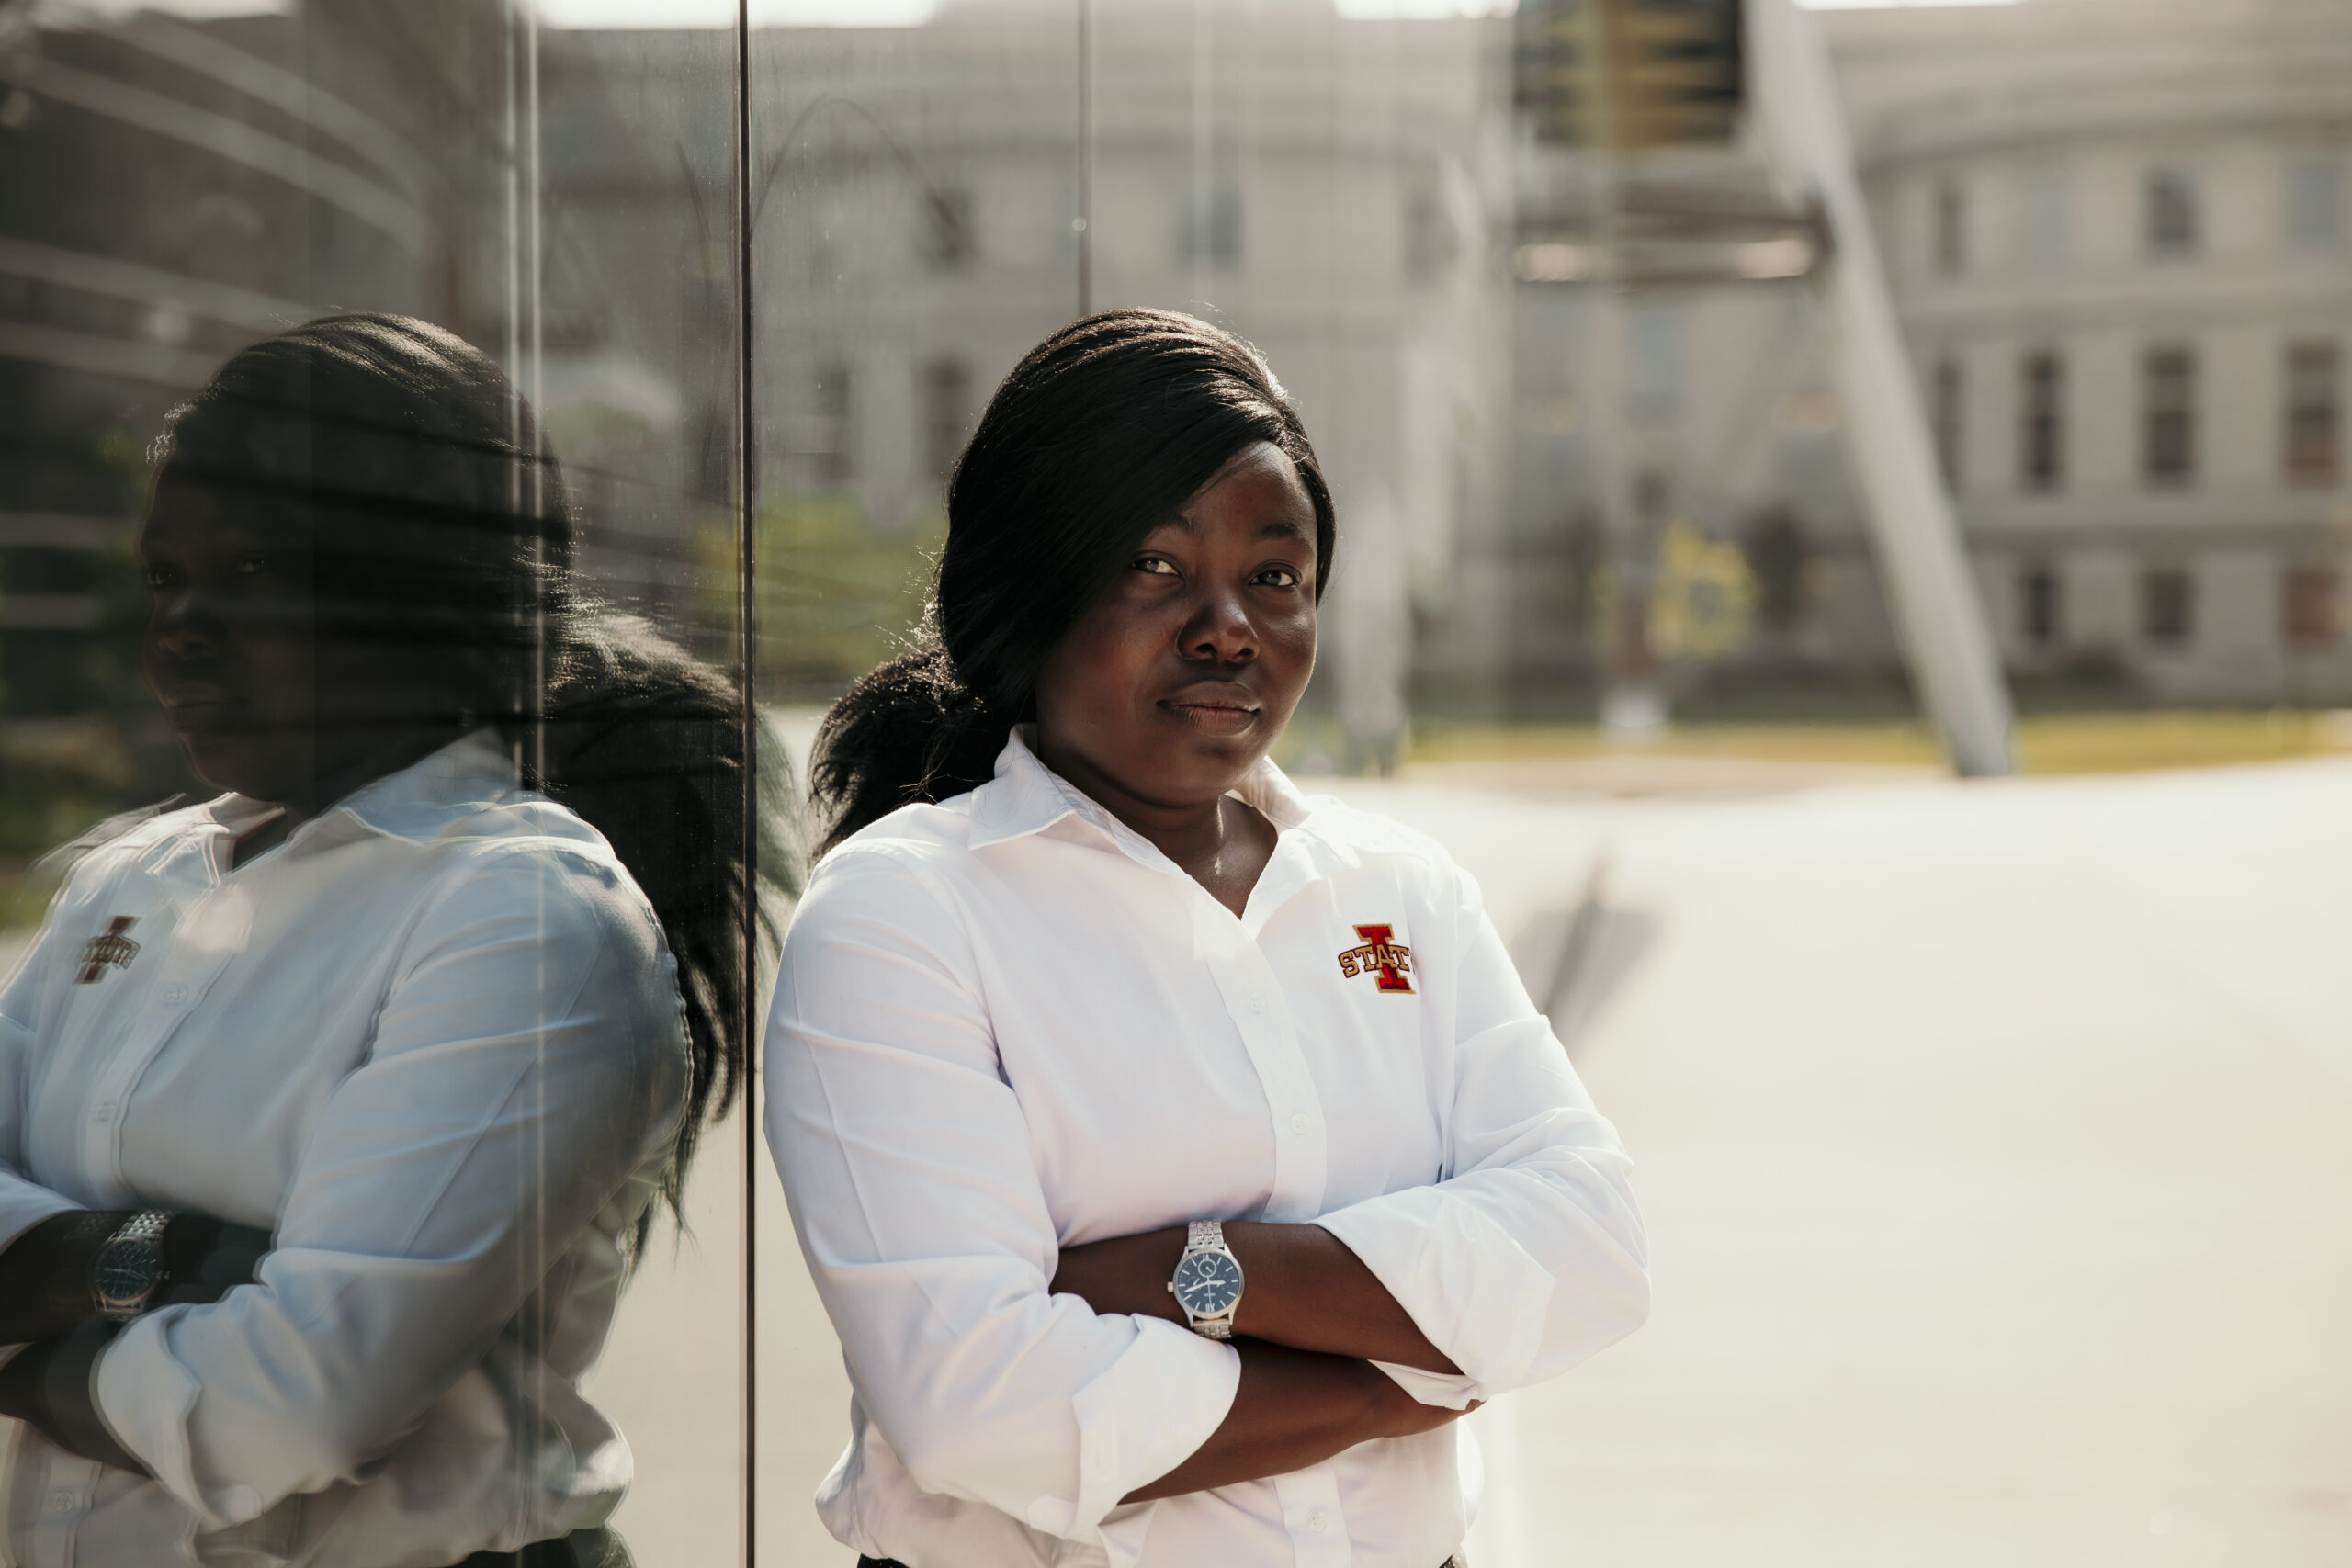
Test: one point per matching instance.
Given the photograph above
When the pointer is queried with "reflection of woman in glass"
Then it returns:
(332, 1110)
(1177, 1155)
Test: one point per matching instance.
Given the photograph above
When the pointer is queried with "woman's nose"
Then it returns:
(1220, 629)
(185, 627)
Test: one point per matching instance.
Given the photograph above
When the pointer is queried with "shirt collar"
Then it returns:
(413, 803)
(1026, 797)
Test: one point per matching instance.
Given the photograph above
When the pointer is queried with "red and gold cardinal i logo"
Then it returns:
(1379, 956)
(112, 948)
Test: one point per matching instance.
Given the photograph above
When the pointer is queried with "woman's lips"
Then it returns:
(209, 711)
(1214, 717)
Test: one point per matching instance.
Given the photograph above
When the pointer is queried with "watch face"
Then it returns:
(126, 1271)
(1209, 1283)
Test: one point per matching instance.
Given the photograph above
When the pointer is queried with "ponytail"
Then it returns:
(647, 744)
(911, 730)
(1102, 432)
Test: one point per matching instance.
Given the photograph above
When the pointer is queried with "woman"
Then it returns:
(1177, 1155)
(331, 1111)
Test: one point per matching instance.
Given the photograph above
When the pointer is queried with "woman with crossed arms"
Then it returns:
(1177, 1155)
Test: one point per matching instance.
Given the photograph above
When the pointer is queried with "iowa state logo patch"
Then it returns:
(112, 948)
(1380, 956)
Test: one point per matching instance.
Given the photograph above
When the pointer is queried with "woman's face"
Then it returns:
(264, 704)
(1177, 680)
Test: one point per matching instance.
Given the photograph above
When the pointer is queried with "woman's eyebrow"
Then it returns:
(1281, 528)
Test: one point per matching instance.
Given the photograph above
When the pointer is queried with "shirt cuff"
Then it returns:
(1465, 1280)
(1140, 1418)
(69, 1390)
(145, 1396)
(1452, 1390)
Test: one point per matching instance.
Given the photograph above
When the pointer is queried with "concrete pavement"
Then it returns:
(1993, 1141)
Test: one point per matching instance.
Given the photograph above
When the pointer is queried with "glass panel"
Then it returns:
(442, 594)
(916, 196)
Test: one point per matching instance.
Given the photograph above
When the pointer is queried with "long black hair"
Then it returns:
(439, 531)
(1100, 433)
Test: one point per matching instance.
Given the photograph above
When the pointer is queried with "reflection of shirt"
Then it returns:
(1007, 1022)
(434, 1042)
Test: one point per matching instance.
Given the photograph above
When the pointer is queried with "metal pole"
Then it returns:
(1947, 639)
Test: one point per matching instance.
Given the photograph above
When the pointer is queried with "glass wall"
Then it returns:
(409, 409)
(407, 1037)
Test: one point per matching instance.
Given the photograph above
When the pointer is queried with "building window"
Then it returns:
(1950, 222)
(1431, 242)
(949, 239)
(2167, 604)
(2042, 436)
(2307, 601)
(2315, 203)
(1780, 559)
(1945, 416)
(2040, 605)
(946, 414)
(1654, 340)
(2171, 215)
(832, 432)
(1211, 230)
(2169, 416)
(2045, 217)
(2315, 425)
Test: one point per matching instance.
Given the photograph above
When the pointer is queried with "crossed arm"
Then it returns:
(47, 1307)
(1313, 1319)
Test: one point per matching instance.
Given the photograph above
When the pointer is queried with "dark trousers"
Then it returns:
(598, 1548)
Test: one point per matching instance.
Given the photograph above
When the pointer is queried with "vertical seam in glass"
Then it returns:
(1085, 220)
(745, 646)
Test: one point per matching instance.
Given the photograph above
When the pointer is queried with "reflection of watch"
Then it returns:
(1209, 1281)
(130, 1266)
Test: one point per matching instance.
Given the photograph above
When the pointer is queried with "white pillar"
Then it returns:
(1945, 637)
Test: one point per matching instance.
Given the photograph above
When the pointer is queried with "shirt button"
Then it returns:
(1298, 1124)
(103, 1112)
(1318, 1521)
(174, 994)
(62, 1502)
(1258, 1002)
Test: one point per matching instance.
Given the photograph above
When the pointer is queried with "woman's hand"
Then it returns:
(45, 1274)
(1295, 1408)
(1300, 1287)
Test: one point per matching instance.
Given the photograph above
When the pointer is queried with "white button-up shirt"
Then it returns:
(434, 1042)
(1007, 1024)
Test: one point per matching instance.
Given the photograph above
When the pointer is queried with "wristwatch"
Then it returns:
(130, 1266)
(1209, 1281)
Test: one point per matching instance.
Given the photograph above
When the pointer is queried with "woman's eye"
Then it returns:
(162, 577)
(1155, 565)
(252, 566)
(1279, 577)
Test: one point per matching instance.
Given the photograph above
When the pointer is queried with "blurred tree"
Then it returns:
(1703, 604)
(836, 593)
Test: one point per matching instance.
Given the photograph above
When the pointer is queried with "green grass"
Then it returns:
(2047, 743)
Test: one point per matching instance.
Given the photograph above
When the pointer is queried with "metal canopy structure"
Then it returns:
(1619, 81)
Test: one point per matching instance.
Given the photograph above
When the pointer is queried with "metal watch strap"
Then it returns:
(147, 1225)
(1209, 1235)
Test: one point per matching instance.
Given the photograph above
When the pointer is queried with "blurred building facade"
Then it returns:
(2117, 229)
(1332, 189)
(2118, 235)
